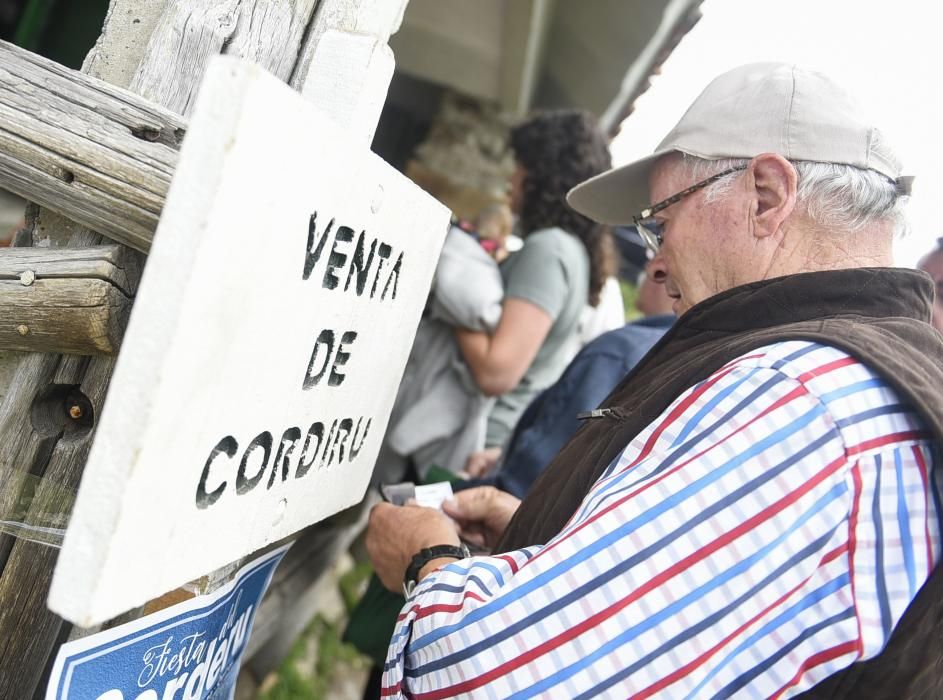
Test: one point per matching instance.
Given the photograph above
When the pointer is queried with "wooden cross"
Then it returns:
(307, 46)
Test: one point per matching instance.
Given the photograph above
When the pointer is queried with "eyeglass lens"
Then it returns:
(650, 231)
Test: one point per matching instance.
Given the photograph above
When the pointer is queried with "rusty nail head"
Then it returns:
(75, 411)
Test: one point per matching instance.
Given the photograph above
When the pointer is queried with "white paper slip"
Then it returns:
(432, 495)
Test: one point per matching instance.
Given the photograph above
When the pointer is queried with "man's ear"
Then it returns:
(775, 182)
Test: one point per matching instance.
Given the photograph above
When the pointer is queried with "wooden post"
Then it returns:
(181, 40)
(96, 153)
(69, 300)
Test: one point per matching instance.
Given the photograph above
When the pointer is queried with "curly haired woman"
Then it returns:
(563, 264)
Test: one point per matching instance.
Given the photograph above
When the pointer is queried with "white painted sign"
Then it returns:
(267, 341)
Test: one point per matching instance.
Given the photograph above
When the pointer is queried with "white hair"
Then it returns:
(834, 196)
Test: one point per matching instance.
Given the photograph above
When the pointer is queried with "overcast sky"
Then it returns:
(890, 54)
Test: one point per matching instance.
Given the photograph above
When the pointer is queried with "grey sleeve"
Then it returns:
(540, 277)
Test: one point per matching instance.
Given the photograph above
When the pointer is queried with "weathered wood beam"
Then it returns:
(29, 632)
(101, 155)
(104, 156)
(267, 32)
(368, 17)
(67, 300)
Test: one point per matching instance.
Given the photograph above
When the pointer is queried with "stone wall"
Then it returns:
(465, 160)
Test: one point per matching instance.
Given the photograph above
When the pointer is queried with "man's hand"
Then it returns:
(480, 463)
(482, 514)
(396, 533)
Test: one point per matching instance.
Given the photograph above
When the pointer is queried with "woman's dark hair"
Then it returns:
(559, 149)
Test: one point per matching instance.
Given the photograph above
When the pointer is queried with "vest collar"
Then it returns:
(870, 292)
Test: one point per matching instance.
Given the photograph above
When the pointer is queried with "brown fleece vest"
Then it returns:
(877, 315)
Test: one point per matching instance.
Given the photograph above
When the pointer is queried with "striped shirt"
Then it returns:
(766, 531)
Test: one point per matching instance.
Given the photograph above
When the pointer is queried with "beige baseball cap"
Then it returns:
(753, 109)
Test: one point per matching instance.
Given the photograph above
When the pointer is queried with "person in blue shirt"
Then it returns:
(551, 418)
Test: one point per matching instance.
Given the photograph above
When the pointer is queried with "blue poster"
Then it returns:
(190, 651)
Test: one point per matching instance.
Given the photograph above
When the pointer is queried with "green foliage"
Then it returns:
(291, 686)
(354, 583)
(332, 652)
(298, 683)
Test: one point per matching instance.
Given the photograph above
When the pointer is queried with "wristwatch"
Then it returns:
(410, 579)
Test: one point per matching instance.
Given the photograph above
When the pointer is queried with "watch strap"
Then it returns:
(424, 556)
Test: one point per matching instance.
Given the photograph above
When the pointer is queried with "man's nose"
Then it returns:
(656, 269)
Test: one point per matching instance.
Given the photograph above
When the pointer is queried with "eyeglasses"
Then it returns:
(650, 229)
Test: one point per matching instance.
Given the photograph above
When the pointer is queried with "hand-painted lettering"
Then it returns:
(205, 499)
(315, 245)
(365, 266)
(323, 355)
(344, 440)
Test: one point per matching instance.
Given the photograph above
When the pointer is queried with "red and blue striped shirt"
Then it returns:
(766, 531)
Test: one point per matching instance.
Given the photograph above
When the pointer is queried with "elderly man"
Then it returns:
(756, 505)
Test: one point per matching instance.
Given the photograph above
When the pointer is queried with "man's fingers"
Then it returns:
(396, 533)
(470, 504)
(480, 463)
(452, 508)
(475, 468)
(380, 511)
(475, 538)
